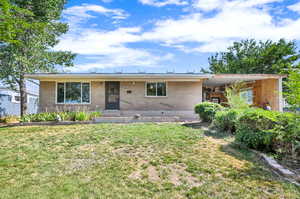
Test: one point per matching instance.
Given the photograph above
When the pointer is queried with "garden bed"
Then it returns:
(46, 123)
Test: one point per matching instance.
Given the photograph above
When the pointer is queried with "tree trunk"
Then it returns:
(23, 95)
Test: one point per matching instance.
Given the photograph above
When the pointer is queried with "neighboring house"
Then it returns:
(150, 93)
(10, 99)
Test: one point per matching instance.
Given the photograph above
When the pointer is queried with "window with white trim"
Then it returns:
(73, 93)
(156, 89)
(247, 94)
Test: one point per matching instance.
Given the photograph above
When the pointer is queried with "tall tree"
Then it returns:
(30, 49)
(292, 93)
(250, 56)
(8, 22)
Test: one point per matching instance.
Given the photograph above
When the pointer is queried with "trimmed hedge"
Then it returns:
(207, 110)
(287, 139)
(269, 131)
(255, 128)
(226, 120)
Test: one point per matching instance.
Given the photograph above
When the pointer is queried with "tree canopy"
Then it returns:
(293, 89)
(33, 30)
(250, 56)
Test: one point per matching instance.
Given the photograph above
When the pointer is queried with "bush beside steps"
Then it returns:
(207, 110)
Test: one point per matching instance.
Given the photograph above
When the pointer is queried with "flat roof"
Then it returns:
(41, 76)
(224, 79)
(210, 78)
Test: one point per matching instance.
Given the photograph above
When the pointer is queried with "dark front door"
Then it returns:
(112, 95)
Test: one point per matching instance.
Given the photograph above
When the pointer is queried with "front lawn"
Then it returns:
(130, 161)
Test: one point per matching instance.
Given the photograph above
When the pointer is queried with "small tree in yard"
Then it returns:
(235, 100)
(293, 89)
(27, 47)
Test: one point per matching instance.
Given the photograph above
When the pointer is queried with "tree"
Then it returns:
(293, 89)
(234, 98)
(249, 56)
(30, 48)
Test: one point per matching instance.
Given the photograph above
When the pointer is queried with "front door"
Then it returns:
(112, 95)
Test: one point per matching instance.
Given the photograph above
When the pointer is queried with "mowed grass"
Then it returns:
(130, 161)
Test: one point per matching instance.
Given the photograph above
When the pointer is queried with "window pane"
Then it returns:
(250, 96)
(73, 92)
(60, 92)
(151, 89)
(85, 93)
(17, 98)
(161, 89)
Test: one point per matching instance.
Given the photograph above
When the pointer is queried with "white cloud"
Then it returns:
(78, 14)
(97, 42)
(295, 7)
(208, 5)
(161, 3)
(126, 57)
(103, 49)
(234, 21)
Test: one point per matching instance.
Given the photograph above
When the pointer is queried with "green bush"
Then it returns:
(287, 130)
(226, 120)
(64, 116)
(207, 110)
(234, 98)
(95, 114)
(39, 117)
(255, 128)
(10, 119)
(81, 116)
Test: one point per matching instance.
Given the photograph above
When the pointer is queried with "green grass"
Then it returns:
(130, 161)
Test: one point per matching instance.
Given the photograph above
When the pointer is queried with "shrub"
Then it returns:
(81, 116)
(234, 98)
(287, 130)
(64, 116)
(95, 114)
(10, 119)
(226, 120)
(255, 128)
(39, 117)
(207, 110)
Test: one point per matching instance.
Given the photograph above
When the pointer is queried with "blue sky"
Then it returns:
(169, 35)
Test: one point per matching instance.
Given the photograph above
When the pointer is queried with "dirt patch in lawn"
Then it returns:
(175, 174)
(137, 174)
(178, 175)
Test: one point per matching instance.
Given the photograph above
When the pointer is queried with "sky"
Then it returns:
(169, 35)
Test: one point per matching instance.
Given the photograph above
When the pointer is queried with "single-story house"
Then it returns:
(152, 94)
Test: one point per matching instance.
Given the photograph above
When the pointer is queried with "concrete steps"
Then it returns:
(111, 113)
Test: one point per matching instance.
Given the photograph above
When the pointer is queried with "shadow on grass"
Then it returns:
(208, 130)
(259, 171)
